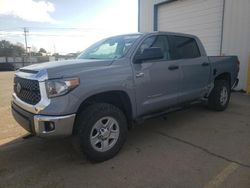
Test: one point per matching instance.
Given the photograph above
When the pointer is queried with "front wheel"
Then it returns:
(102, 131)
(220, 95)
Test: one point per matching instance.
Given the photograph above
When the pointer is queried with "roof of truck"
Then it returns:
(159, 33)
(168, 33)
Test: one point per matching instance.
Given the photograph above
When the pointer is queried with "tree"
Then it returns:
(9, 49)
(42, 50)
(56, 54)
(17, 50)
(20, 44)
(5, 49)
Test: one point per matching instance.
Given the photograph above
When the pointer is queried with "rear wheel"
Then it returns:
(102, 131)
(220, 95)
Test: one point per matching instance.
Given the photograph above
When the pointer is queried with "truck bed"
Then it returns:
(228, 64)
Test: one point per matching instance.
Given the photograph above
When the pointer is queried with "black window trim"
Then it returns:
(155, 35)
(173, 47)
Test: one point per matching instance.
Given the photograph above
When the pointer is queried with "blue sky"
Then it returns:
(66, 26)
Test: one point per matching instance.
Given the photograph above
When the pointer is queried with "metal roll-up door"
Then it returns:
(202, 18)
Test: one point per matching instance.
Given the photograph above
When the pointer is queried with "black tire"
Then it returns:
(214, 99)
(86, 121)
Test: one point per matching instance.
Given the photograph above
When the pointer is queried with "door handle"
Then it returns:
(140, 74)
(173, 67)
(204, 64)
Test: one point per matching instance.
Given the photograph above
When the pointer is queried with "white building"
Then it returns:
(222, 25)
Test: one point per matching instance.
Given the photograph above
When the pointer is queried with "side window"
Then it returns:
(156, 41)
(183, 48)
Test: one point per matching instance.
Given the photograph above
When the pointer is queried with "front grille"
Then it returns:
(27, 90)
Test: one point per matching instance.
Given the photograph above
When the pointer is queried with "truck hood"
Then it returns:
(58, 69)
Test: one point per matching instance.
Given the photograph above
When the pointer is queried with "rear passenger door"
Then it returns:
(195, 68)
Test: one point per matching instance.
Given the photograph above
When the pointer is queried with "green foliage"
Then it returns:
(8, 49)
(42, 50)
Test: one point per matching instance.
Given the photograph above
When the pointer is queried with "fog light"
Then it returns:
(49, 126)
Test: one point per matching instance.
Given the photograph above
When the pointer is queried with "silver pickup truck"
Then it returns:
(117, 82)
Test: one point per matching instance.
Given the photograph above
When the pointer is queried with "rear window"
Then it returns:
(184, 47)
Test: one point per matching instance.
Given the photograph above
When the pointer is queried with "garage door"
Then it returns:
(199, 17)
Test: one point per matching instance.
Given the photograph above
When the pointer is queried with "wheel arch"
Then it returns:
(118, 98)
(224, 76)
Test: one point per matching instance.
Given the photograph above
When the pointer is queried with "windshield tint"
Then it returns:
(110, 48)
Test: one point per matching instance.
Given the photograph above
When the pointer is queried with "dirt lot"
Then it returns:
(191, 148)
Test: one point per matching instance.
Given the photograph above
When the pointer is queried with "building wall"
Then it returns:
(236, 35)
(146, 15)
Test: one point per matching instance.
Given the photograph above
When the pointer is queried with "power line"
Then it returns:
(10, 34)
(12, 28)
(65, 28)
(44, 34)
(53, 28)
(14, 32)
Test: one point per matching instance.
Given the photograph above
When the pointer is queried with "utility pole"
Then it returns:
(25, 30)
(54, 48)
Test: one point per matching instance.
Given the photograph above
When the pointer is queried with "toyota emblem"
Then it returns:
(18, 88)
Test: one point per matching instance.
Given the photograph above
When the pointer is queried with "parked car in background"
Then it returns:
(117, 82)
(7, 67)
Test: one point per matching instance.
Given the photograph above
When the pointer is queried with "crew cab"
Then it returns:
(117, 82)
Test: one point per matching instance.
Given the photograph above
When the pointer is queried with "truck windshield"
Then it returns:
(110, 48)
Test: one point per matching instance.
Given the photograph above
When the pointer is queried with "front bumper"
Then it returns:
(42, 125)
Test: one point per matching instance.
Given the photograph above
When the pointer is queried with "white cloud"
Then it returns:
(30, 10)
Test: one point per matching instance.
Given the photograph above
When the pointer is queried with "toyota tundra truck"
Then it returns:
(117, 82)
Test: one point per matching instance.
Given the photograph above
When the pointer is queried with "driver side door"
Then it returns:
(157, 82)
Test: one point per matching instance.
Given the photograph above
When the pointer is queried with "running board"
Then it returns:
(166, 111)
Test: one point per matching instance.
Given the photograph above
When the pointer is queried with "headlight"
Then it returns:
(61, 87)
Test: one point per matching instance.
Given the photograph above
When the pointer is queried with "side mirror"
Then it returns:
(149, 54)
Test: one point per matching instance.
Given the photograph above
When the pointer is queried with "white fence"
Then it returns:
(37, 59)
(18, 62)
